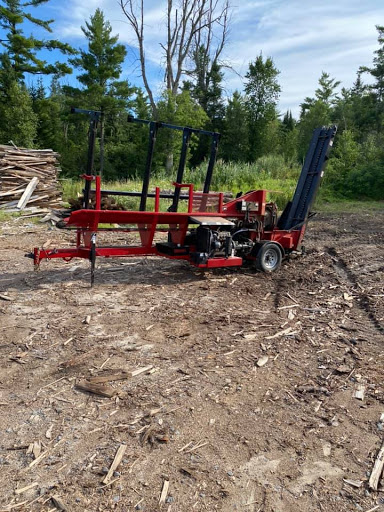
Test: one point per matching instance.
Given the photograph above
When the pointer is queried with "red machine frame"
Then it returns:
(87, 224)
(227, 233)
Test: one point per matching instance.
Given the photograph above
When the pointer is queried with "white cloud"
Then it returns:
(303, 38)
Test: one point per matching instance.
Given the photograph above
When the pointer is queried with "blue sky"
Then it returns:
(302, 37)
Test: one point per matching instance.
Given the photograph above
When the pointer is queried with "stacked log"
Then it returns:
(28, 179)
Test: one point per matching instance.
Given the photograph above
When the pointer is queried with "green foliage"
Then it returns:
(269, 172)
(319, 114)
(327, 90)
(22, 50)
(262, 93)
(206, 85)
(18, 120)
(345, 158)
(258, 149)
(179, 110)
(288, 134)
(234, 146)
(101, 66)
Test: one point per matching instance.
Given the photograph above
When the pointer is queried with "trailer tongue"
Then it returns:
(211, 233)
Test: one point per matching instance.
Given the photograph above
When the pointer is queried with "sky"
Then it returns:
(304, 38)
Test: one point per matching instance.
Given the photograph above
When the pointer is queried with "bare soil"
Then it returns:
(229, 429)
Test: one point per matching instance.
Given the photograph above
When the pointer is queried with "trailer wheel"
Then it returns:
(268, 258)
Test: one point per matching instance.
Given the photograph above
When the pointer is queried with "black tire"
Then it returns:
(268, 258)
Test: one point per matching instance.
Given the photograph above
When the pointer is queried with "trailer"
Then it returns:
(207, 231)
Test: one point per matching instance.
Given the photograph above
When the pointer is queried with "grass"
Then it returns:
(227, 177)
(269, 172)
(348, 206)
(4, 216)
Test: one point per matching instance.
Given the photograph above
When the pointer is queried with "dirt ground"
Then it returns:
(247, 403)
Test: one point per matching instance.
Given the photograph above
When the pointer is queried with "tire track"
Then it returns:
(365, 303)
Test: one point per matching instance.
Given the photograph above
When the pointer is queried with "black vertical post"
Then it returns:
(211, 164)
(153, 126)
(180, 171)
(91, 157)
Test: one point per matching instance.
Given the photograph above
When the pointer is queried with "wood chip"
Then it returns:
(116, 461)
(96, 389)
(281, 333)
(59, 504)
(164, 492)
(5, 297)
(262, 361)
(48, 433)
(353, 483)
(24, 489)
(373, 509)
(39, 459)
(97, 379)
(291, 315)
(360, 392)
(36, 449)
(377, 470)
(16, 505)
(141, 370)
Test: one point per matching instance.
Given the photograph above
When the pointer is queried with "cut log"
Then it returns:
(18, 167)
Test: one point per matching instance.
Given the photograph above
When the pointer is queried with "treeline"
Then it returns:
(251, 125)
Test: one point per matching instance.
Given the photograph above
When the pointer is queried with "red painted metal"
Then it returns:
(232, 261)
(147, 223)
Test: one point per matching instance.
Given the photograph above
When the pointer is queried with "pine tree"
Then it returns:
(377, 72)
(101, 64)
(48, 110)
(22, 50)
(262, 94)
(18, 120)
(327, 90)
(206, 86)
(317, 111)
(288, 138)
(235, 134)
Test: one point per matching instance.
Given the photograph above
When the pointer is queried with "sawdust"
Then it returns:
(227, 434)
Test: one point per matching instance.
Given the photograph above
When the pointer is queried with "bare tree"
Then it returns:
(189, 24)
(208, 45)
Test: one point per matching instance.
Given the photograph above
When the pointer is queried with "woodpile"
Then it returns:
(107, 203)
(28, 179)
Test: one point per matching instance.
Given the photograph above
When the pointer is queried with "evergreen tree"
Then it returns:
(327, 90)
(48, 110)
(22, 50)
(126, 150)
(377, 73)
(288, 138)
(234, 145)
(18, 120)
(262, 93)
(206, 86)
(101, 64)
(317, 111)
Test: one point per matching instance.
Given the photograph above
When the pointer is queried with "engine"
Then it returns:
(236, 240)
